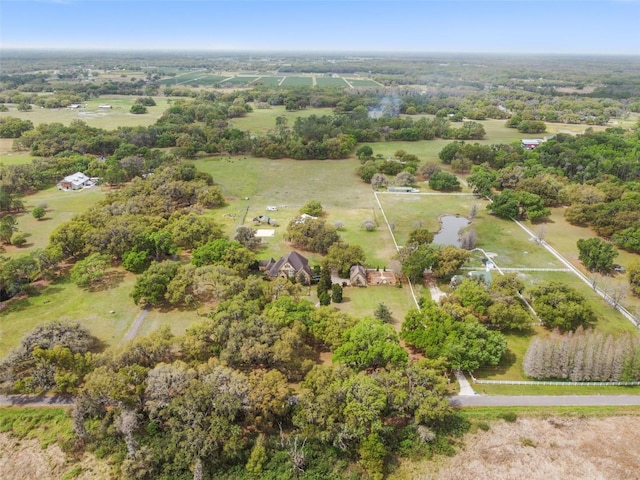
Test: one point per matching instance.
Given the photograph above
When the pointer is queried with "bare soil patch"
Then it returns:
(21, 459)
(537, 449)
(380, 277)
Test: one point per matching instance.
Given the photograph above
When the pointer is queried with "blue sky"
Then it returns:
(507, 26)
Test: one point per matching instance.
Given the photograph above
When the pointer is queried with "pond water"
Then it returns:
(450, 227)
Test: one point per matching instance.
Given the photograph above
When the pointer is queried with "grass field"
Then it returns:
(65, 301)
(108, 119)
(262, 120)
(330, 82)
(250, 184)
(359, 82)
(61, 207)
(297, 81)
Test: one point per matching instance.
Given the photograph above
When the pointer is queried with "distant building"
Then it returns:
(400, 189)
(77, 181)
(531, 143)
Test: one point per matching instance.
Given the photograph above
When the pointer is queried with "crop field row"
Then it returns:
(203, 78)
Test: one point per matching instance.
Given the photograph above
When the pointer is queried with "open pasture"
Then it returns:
(563, 237)
(65, 301)
(61, 207)
(261, 120)
(290, 184)
(109, 119)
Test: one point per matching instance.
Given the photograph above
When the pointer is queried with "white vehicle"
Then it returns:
(271, 208)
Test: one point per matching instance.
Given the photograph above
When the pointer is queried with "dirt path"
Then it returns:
(135, 326)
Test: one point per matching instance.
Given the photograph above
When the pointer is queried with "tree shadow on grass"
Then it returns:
(109, 281)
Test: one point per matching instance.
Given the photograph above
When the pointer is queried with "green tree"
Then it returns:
(560, 306)
(138, 109)
(343, 256)
(415, 259)
(444, 181)
(336, 293)
(371, 344)
(448, 153)
(448, 261)
(482, 180)
(518, 205)
(596, 254)
(383, 313)
(313, 235)
(420, 236)
(11, 127)
(633, 274)
(151, 286)
(39, 212)
(90, 270)
(313, 208)
(8, 225)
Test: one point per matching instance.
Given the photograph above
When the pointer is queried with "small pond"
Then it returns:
(450, 227)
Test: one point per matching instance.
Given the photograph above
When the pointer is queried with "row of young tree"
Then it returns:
(584, 355)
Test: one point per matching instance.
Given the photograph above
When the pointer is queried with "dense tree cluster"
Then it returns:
(584, 355)
(560, 306)
(498, 305)
(463, 344)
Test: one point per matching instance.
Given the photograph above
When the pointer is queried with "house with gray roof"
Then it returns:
(293, 266)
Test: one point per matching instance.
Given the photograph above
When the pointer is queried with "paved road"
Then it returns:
(36, 400)
(543, 400)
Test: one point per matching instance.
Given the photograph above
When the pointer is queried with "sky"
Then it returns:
(610, 27)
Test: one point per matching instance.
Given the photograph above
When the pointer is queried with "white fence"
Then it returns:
(564, 384)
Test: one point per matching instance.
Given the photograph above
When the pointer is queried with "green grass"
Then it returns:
(108, 119)
(478, 414)
(362, 302)
(47, 425)
(563, 237)
(553, 390)
(330, 82)
(363, 82)
(297, 81)
(268, 81)
(61, 207)
(184, 77)
(289, 184)
(262, 120)
(64, 301)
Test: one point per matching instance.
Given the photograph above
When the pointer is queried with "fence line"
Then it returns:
(566, 384)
